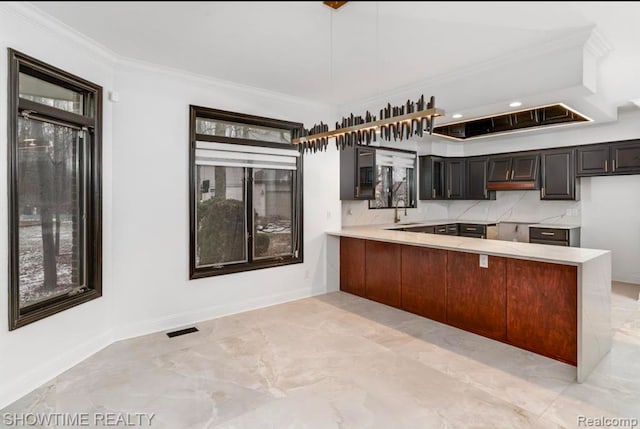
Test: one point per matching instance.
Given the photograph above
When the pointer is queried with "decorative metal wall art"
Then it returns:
(397, 122)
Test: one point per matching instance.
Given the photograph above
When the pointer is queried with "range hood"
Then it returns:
(518, 121)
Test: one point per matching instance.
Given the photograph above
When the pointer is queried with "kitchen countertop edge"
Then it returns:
(509, 249)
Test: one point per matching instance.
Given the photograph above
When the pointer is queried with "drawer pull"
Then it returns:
(548, 233)
(472, 228)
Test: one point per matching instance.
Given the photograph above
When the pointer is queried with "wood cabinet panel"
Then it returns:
(499, 169)
(383, 272)
(476, 180)
(593, 160)
(431, 177)
(558, 175)
(625, 157)
(352, 265)
(476, 297)
(424, 278)
(455, 170)
(525, 168)
(542, 308)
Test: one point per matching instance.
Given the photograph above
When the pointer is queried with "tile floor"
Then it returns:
(339, 361)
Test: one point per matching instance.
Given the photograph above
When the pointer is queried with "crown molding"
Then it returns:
(574, 40)
(37, 17)
(597, 45)
(202, 79)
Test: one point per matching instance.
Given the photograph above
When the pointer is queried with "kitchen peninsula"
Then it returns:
(551, 300)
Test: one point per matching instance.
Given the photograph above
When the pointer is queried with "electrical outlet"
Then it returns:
(484, 261)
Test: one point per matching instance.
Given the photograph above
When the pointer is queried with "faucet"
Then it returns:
(396, 219)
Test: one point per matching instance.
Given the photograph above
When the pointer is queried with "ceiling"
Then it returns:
(308, 50)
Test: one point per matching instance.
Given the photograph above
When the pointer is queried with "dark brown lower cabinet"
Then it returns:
(383, 272)
(352, 265)
(424, 280)
(528, 304)
(476, 296)
(542, 308)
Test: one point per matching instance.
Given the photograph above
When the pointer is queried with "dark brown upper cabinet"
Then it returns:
(621, 157)
(357, 173)
(558, 174)
(432, 178)
(625, 157)
(455, 183)
(476, 179)
(514, 172)
(593, 160)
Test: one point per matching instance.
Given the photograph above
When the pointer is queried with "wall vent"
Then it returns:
(182, 332)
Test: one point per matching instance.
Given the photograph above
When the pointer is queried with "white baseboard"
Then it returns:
(624, 279)
(179, 320)
(12, 390)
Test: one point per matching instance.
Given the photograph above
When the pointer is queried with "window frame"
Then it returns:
(19, 62)
(278, 261)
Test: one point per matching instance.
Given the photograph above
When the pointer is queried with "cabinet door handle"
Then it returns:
(357, 191)
(433, 193)
(485, 193)
(513, 173)
(551, 234)
(471, 228)
(543, 193)
(449, 193)
(613, 166)
(507, 176)
(606, 164)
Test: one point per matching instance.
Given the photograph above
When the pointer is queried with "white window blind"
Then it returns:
(395, 159)
(232, 155)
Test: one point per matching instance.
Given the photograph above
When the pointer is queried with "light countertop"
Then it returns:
(529, 251)
(551, 226)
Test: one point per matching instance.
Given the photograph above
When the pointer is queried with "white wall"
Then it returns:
(151, 225)
(611, 220)
(145, 215)
(35, 353)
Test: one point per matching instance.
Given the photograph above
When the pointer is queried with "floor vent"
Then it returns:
(182, 332)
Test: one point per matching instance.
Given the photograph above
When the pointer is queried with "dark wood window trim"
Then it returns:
(204, 112)
(91, 120)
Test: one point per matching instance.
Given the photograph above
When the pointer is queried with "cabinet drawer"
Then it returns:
(549, 234)
(551, 242)
(427, 229)
(471, 228)
(452, 229)
(440, 229)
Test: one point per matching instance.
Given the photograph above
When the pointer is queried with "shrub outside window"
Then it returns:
(245, 193)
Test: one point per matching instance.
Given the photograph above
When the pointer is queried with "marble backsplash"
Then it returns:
(358, 213)
(517, 206)
(509, 206)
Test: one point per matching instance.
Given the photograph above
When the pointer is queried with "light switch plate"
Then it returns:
(484, 261)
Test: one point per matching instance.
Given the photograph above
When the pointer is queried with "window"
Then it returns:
(395, 179)
(55, 240)
(245, 193)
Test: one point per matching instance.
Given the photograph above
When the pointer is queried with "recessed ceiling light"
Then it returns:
(515, 104)
(456, 115)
